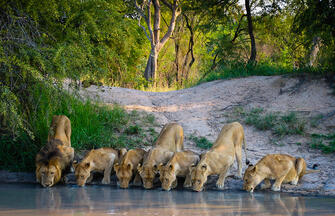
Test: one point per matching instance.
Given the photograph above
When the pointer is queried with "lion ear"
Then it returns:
(155, 168)
(75, 164)
(191, 168)
(171, 167)
(160, 167)
(116, 167)
(87, 165)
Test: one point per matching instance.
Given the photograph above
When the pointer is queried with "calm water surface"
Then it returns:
(26, 199)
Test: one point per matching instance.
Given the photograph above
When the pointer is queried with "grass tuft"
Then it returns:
(201, 142)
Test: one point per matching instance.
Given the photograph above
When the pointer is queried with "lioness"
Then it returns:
(170, 140)
(280, 167)
(178, 166)
(128, 167)
(98, 160)
(220, 157)
(56, 156)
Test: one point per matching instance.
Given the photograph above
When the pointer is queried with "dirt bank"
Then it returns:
(201, 111)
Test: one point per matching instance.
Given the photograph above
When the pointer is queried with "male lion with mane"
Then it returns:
(170, 140)
(279, 167)
(56, 156)
(220, 157)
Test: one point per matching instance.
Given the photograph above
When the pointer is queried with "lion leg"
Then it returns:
(108, 171)
(188, 182)
(266, 184)
(300, 166)
(222, 177)
(238, 155)
(90, 178)
(174, 184)
(137, 180)
(277, 185)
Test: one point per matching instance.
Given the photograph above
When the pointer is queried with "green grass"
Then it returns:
(280, 124)
(201, 142)
(240, 69)
(93, 126)
(324, 142)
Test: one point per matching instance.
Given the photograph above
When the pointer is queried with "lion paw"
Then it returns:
(275, 188)
(294, 182)
(220, 185)
(104, 181)
(265, 186)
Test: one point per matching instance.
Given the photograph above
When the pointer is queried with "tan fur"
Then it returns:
(55, 157)
(128, 167)
(220, 157)
(279, 167)
(170, 140)
(178, 166)
(97, 160)
(60, 129)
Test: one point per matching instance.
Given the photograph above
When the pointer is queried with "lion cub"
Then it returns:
(99, 160)
(280, 167)
(128, 167)
(220, 157)
(178, 166)
(56, 156)
(170, 140)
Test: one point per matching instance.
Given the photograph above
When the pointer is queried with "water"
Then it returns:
(29, 199)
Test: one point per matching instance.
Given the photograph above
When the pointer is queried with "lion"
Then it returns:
(178, 166)
(127, 169)
(97, 160)
(170, 140)
(55, 158)
(279, 167)
(220, 157)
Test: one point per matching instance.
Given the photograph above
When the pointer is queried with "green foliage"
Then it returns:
(279, 124)
(324, 142)
(240, 69)
(201, 142)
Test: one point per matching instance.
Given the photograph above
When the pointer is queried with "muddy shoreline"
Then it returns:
(231, 184)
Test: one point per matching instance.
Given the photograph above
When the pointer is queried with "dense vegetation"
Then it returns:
(42, 43)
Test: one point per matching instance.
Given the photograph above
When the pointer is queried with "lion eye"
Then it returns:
(198, 181)
(81, 176)
(166, 179)
(52, 173)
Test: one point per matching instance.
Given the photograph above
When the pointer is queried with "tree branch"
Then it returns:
(175, 14)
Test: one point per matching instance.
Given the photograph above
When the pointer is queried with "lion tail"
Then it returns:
(311, 171)
(247, 162)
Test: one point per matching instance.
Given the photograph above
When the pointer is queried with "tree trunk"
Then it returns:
(251, 34)
(150, 70)
(154, 34)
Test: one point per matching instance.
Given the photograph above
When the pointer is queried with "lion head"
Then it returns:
(82, 172)
(198, 176)
(48, 169)
(124, 173)
(147, 174)
(251, 178)
(167, 176)
(49, 173)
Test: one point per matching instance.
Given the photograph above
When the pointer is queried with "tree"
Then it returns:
(251, 34)
(156, 43)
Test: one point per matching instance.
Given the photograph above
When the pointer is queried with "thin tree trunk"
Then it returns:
(154, 34)
(251, 34)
